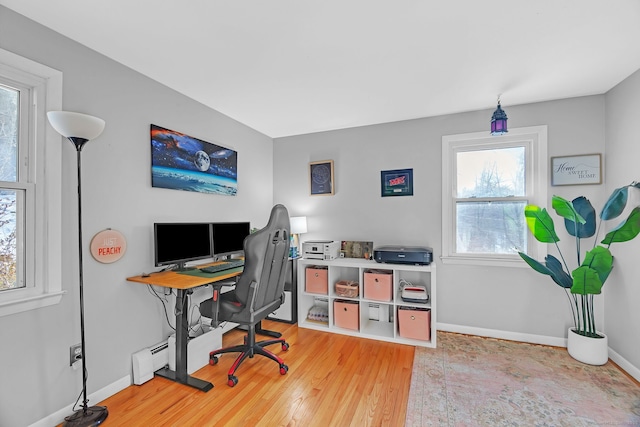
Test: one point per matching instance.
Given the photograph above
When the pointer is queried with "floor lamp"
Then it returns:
(79, 129)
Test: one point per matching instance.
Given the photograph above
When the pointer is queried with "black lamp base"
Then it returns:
(93, 416)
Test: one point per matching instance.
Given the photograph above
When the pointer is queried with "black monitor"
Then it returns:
(178, 243)
(228, 237)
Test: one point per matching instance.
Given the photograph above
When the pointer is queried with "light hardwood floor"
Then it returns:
(333, 380)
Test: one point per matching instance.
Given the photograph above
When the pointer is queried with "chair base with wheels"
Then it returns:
(249, 349)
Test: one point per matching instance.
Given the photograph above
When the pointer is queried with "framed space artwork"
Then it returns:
(321, 178)
(181, 162)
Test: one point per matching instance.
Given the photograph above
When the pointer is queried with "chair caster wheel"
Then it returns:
(232, 381)
(283, 369)
(285, 346)
(213, 360)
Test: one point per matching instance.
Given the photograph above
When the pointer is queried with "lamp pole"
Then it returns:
(94, 415)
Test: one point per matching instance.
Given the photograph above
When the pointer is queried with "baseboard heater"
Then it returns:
(147, 361)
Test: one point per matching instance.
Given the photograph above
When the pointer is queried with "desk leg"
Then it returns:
(182, 339)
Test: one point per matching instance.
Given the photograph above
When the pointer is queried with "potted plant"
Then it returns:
(587, 279)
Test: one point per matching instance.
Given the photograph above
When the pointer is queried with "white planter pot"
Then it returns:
(592, 351)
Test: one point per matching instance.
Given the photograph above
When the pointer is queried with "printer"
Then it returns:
(321, 249)
(403, 255)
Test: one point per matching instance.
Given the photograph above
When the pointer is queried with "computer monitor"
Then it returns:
(228, 237)
(179, 243)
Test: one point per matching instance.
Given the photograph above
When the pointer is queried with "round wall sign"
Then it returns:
(108, 246)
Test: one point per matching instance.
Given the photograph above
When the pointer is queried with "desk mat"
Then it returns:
(198, 273)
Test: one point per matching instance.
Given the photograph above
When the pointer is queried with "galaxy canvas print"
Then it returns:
(181, 162)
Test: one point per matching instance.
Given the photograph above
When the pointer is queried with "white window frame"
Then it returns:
(43, 285)
(534, 138)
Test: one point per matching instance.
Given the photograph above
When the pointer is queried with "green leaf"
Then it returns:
(540, 224)
(552, 268)
(626, 231)
(600, 260)
(616, 203)
(586, 281)
(565, 209)
(535, 264)
(583, 208)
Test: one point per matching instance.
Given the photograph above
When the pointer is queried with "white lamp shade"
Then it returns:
(298, 224)
(76, 125)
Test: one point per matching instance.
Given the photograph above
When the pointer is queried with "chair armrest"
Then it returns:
(215, 306)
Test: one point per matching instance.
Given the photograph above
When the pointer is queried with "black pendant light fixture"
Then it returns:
(499, 121)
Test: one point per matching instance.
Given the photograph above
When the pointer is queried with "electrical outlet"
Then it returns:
(75, 353)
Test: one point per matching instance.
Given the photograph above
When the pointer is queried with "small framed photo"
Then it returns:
(576, 170)
(396, 182)
(321, 178)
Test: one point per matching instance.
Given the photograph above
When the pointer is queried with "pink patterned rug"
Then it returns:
(473, 381)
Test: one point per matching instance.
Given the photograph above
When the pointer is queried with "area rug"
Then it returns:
(474, 381)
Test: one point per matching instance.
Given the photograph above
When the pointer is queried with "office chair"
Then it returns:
(258, 292)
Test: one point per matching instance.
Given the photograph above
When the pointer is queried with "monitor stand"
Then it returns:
(181, 266)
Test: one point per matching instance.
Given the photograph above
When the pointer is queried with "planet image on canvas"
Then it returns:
(202, 161)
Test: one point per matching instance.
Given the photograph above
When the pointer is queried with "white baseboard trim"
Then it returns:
(624, 364)
(97, 396)
(504, 335)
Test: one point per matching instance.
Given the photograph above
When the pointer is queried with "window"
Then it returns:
(30, 186)
(487, 182)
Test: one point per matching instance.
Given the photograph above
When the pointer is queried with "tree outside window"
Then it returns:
(8, 174)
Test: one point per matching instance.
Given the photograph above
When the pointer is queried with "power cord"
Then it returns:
(164, 302)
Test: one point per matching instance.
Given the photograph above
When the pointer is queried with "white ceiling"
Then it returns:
(288, 67)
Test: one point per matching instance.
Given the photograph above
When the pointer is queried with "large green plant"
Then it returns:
(585, 281)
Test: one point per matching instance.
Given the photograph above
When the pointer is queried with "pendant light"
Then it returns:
(499, 121)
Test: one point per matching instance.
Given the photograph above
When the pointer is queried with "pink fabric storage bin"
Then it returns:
(346, 314)
(316, 280)
(414, 323)
(378, 285)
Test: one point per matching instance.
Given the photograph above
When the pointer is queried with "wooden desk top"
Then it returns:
(175, 280)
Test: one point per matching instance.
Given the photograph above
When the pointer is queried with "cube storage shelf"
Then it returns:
(321, 308)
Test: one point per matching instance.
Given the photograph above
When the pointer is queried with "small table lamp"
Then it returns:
(298, 226)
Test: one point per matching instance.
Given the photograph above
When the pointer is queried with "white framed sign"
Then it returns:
(576, 170)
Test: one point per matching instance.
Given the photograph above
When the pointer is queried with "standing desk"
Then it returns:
(184, 285)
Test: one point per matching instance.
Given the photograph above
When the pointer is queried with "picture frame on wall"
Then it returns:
(397, 182)
(321, 178)
(576, 170)
(182, 162)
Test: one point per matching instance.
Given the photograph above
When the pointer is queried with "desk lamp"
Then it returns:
(79, 129)
(298, 226)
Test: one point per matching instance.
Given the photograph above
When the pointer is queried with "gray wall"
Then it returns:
(516, 303)
(622, 291)
(121, 317)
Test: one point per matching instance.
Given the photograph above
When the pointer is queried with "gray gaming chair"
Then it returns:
(258, 293)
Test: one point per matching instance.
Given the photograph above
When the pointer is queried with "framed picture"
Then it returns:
(181, 162)
(396, 182)
(351, 249)
(321, 178)
(576, 170)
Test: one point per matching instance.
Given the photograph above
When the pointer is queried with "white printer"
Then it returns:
(321, 249)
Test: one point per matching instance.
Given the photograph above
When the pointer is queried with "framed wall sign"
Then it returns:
(108, 246)
(396, 182)
(321, 178)
(576, 170)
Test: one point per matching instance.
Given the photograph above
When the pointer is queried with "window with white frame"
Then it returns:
(30, 185)
(487, 182)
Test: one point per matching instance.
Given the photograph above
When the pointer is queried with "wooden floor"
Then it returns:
(333, 380)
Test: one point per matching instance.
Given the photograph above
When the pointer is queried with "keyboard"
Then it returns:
(225, 265)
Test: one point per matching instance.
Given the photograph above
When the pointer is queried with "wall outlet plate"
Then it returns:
(75, 353)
